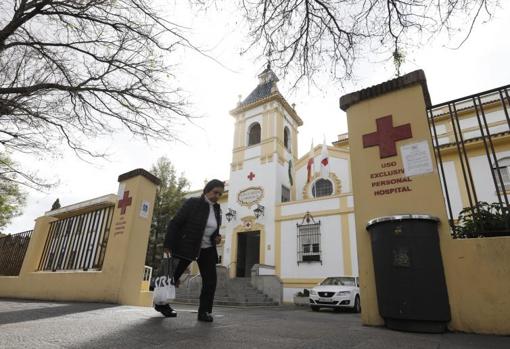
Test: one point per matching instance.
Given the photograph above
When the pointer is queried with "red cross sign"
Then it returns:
(251, 176)
(124, 202)
(387, 136)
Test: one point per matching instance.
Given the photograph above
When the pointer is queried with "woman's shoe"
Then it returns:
(166, 310)
(206, 317)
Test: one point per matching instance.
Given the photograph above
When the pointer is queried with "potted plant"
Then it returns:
(483, 220)
(302, 297)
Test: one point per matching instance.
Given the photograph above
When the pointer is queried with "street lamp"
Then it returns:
(231, 214)
(258, 211)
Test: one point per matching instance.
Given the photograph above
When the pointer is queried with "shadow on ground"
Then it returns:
(31, 310)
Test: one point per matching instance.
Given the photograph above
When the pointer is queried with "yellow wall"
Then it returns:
(478, 281)
(239, 143)
(120, 279)
(477, 271)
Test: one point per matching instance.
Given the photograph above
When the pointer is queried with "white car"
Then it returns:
(339, 292)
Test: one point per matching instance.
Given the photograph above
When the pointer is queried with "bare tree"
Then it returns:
(308, 36)
(71, 70)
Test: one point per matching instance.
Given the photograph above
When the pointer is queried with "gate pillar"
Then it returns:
(129, 234)
(392, 157)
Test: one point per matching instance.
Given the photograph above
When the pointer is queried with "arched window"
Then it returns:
(254, 134)
(322, 187)
(502, 168)
(286, 138)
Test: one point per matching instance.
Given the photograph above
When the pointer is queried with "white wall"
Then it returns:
(341, 169)
(331, 250)
(289, 292)
(319, 204)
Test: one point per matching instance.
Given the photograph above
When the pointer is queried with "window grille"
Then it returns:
(285, 194)
(308, 240)
(322, 187)
(254, 134)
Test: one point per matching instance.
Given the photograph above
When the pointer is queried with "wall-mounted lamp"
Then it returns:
(258, 211)
(231, 214)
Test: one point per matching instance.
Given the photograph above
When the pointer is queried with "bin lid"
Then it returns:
(401, 217)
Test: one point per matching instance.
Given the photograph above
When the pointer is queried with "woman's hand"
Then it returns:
(166, 251)
(217, 239)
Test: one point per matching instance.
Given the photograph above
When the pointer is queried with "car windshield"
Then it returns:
(339, 281)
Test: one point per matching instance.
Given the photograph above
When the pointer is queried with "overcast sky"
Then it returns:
(206, 148)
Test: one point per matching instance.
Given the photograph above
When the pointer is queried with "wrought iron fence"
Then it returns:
(78, 242)
(471, 137)
(12, 252)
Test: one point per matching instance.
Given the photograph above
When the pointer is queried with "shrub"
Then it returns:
(304, 293)
(483, 220)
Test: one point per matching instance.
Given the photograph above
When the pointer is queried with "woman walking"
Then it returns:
(192, 235)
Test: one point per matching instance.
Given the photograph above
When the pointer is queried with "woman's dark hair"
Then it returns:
(214, 183)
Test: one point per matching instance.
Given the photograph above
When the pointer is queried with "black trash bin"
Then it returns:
(410, 283)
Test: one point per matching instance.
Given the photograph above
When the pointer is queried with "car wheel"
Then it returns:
(315, 308)
(357, 305)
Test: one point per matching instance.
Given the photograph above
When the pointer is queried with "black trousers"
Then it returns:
(207, 265)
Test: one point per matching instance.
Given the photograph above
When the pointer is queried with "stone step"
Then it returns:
(216, 299)
(259, 298)
(220, 302)
(247, 292)
(241, 296)
(197, 294)
(262, 298)
(234, 292)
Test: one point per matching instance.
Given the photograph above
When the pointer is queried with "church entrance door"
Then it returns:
(248, 249)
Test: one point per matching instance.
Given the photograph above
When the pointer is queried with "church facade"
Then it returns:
(291, 216)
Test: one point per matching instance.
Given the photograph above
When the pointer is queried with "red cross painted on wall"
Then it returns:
(251, 176)
(387, 136)
(124, 202)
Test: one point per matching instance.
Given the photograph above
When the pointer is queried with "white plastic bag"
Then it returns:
(164, 291)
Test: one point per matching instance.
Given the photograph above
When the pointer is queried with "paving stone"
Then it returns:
(37, 324)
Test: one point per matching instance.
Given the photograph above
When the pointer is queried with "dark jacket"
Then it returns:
(185, 231)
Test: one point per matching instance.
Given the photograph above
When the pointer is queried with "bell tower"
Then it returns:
(265, 139)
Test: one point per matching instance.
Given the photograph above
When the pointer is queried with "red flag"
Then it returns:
(324, 160)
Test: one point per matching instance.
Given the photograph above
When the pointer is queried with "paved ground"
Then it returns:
(32, 324)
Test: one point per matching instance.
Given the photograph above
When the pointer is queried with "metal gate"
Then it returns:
(78, 242)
